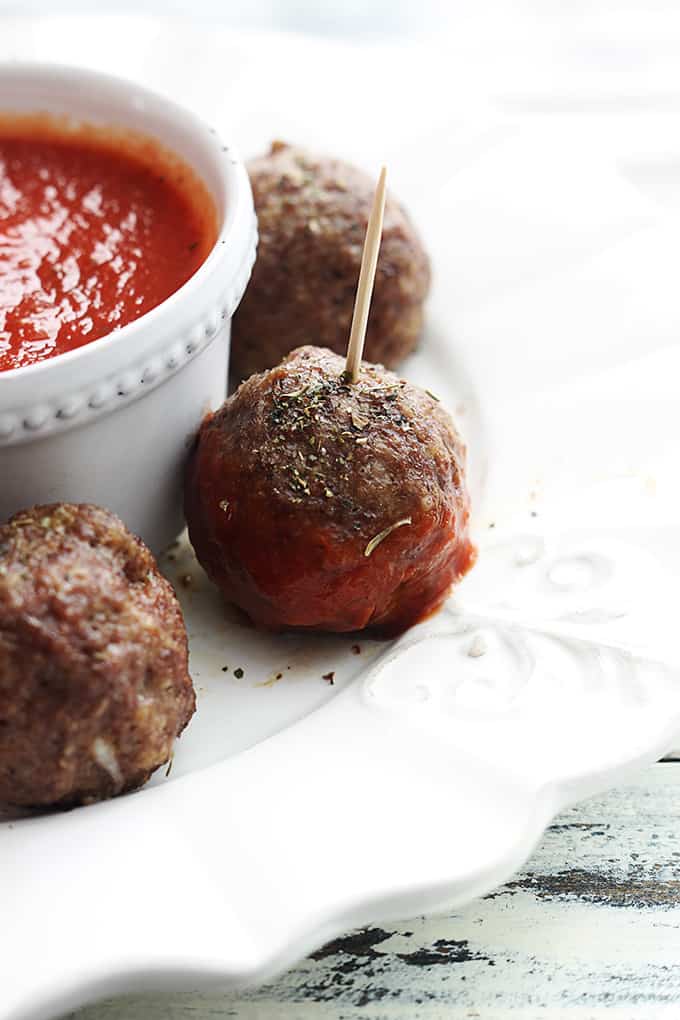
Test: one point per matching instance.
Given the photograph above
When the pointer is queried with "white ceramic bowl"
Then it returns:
(111, 422)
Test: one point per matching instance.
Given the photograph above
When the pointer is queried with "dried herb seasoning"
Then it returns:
(377, 539)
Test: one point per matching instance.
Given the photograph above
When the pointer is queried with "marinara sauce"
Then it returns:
(95, 230)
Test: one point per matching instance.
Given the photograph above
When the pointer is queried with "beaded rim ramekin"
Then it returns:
(93, 380)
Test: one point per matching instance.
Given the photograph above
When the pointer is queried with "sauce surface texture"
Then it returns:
(92, 235)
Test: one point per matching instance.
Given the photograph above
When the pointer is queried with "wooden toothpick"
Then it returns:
(369, 261)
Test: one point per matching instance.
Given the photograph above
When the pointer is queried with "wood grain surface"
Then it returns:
(589, 929)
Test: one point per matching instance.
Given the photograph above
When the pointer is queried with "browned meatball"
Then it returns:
(312, 214)
(315, 503)
(94, 685)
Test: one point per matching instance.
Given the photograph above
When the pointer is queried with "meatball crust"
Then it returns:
(312, 214)
(313, 503)
(94, 685)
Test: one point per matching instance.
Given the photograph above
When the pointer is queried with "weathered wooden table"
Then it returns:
(589, 929)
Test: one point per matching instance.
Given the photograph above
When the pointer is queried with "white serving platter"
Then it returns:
(424, 775)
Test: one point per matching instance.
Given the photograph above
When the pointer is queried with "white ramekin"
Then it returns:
(111, 422)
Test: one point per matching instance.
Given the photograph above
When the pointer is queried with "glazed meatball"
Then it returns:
(313, 503)
(94, 685)
(312, 214)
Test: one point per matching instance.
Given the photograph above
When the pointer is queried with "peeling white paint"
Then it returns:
(545, 947)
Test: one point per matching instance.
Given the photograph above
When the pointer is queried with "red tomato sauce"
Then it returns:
(94, 232)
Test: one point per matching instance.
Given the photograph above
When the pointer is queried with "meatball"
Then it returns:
(313, 503)
(94, 685)
(312, 214)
